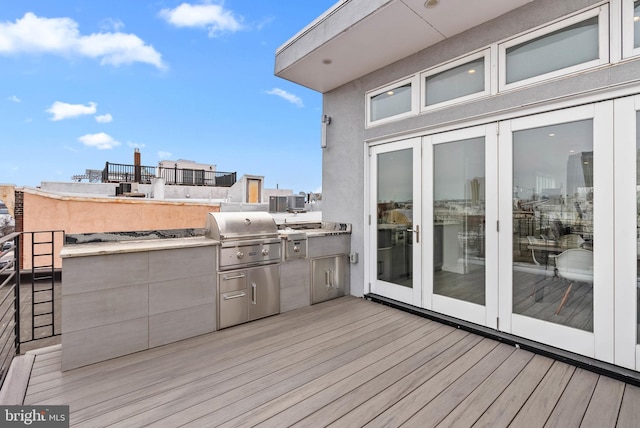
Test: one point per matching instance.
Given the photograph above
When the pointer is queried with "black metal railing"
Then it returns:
(9, 302)
(121, 173)
(196, 177)
(32, 316)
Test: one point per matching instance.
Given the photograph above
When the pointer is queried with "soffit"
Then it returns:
(361, 36)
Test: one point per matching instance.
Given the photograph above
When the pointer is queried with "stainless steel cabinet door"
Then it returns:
(327, 281)
(263, 288)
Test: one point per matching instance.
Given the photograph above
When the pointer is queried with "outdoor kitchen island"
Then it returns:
(125, 296)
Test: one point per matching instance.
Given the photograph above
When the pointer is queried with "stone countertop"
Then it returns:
(119, 243)
(133, 246)
(324, 229)
(313, 233)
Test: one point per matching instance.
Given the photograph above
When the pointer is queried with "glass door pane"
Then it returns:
(552, 214)
(459, 220)
(394, 186)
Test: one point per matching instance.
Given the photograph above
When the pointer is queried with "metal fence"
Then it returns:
(196, 177)
(9, 302)
(29, 300)
(121, 173)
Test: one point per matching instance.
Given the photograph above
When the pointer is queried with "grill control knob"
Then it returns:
(265, 252)
(239, 254)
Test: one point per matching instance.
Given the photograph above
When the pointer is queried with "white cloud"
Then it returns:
(293, 99)
(164, 155)
(61, 110)
(135, 145)
(60, 36)
(111, 24)
(14, 99)
(105, 118)
(100, 141)
(214, 17)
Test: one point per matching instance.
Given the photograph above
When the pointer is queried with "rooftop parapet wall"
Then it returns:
(76, 215)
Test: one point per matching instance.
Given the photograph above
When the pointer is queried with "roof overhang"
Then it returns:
(356, 37)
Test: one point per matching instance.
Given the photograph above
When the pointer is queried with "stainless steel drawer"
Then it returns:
(233, 308)
(232, 281)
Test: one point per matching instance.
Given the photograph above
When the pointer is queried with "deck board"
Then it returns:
(544, 398)
(347, 362)
(435, 411)
(572, 405)
(322, 391)
(605, 404)
(360, 404)
(222, 389)
(476, 403)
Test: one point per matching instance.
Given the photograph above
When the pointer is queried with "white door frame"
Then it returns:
(627, 351)
(413, 295)
(598, 344)
(484, 315)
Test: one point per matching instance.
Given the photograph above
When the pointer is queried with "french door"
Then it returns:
(513, 225)
(460, 207)
(556, 242)
(395, 238)
(627, 232)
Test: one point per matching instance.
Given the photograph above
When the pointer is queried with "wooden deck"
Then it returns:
(345, 363)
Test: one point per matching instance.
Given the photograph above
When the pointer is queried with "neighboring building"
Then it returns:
(186, 172)
(7, 223)
(505, 127)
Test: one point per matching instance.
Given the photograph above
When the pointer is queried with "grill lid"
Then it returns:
(240, 225)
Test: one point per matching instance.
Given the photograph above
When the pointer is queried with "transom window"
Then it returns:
(577, 43)
(393, 101)
(458, 81)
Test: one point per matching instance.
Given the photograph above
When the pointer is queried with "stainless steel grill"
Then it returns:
(246, 239)
(248, 265)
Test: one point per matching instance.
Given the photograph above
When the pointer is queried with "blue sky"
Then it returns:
(83, 82)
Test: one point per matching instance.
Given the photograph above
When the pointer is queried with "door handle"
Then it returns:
(416, 230)
(253, 293)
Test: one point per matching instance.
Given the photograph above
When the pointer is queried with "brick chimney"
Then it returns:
(136, 163)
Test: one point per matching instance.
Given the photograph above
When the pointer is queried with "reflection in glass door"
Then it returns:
(395, 217)
(460, 183)
(556, 252)
(459, 220)
(395, 175)
(553, 208)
